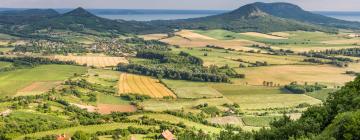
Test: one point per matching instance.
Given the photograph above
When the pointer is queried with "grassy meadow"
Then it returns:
(12, 81)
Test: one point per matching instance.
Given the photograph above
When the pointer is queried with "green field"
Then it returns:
(110, 99)
(103, 77)
(186, 104)
(294, 36)
(298, 41)
(174, 119)
(259, 97)
(87, 129)
(12, 81)
(7, 37)
(5, 64)
(322, 94)
(5, 49)
(259, 121)
(186, 89)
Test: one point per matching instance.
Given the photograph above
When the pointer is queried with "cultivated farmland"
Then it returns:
(130, 83)
(188, 38)
(96, 61)
(13, 81)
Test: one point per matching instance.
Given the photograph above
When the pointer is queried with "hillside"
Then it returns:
(263, 17)
(80, 19)
(26, 16)
(297, 13)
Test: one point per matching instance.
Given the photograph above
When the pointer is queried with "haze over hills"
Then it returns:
(247, 18)
(265, 17)
(258, 17)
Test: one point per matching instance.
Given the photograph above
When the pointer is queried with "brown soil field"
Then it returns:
(232, 120)
(255, 34)
(130, 83)
(96, 61)
(108, 108)
(86, 107)
(37, 88)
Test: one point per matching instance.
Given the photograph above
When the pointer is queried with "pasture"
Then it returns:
(259, 97)
(88, 129)
(5, 64)
(285, 74)
(5, 49)
(176, 120)
(154, 36)
(96, 61)
(13, 81)
(261, 35)
(143, 85)
(187, 38)
(179, 104)
(262, 121)
(103, 77)
(187, 89)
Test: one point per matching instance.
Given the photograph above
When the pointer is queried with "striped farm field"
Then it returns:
(96, 61)
(143, 85)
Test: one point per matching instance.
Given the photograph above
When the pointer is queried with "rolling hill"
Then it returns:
(80, 19)
(26, 16)
(255, 17)
(263, 17)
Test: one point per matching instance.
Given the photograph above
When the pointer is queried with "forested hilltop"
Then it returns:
(256, 17)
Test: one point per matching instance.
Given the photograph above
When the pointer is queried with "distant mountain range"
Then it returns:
(259, 17)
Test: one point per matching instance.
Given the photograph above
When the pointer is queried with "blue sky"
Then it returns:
(313, 5)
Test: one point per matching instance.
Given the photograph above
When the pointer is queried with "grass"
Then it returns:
(285, 74)
(103, 77)
(87, 129)
(192, 39)
(174, 119)
(259, 97)
(179, 104)
(110, 99)
(5, 49)
(298, 41)
(222, 57)
(259, 121)
(187, 89)
(5, 64)
(12, 81)
(7, 37)
(322, 94)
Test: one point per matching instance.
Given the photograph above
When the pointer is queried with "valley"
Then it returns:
(264, 76)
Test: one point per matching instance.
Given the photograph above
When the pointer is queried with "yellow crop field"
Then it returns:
(239, 44)
(281, 34)
(154, 36)
(143, 85)
(284, 74)
(96, 61)
(261, 35)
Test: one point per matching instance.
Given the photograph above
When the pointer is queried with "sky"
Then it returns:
(310, 5)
